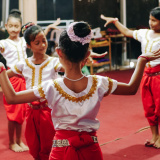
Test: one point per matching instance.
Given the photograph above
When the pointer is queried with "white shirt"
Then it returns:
(36, 74)
(75, 111)
(148, 44)
(13, 51)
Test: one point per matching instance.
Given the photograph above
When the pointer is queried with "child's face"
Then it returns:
(40, 44)
(13, 27)
(154, 23)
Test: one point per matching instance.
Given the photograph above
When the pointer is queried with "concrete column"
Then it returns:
(124, 22)
(5, 12)
(29, 10)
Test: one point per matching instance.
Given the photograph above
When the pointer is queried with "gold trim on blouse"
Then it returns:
(150, 49)
(33, 71)
(136, 35)
(41, 92)
(149, 65)
(147, 41)
(55, 68)
(109, 86)
(75, 99)
(153, 43)
(17, 70)
(41, 69)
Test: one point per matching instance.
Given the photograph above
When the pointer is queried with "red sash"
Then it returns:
(82, 146)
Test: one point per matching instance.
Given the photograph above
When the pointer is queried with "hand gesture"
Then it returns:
(55, 24)
(150, 56)
(107, 19)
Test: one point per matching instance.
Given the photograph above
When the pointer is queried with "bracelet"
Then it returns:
(115, 20)
(2, 69)
(145, 58)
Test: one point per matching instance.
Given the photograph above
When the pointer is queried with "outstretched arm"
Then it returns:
(132, 87)
(124, 30)
(96, 55)
(13, 97)
(52, 26)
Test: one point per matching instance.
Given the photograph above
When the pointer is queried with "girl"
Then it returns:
(75, 98)
(36, 69)
(13, 49)
(150, 41)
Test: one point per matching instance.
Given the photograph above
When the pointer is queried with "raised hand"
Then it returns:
(107, 19)
(52, 26)
(55, 24)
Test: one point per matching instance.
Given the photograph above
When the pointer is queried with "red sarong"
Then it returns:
(16, 112)
(39, 132)
(150, 92)
(82, 147)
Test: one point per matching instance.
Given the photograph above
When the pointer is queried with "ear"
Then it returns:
(88, 54)
(6, 26)
(59, 52)
(28, 46)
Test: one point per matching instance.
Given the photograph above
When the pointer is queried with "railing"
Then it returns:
(64, 23)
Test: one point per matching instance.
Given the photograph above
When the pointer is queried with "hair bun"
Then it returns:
(15, 12)
(26, 26)
(81, 29)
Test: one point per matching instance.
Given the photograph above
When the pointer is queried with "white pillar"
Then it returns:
(123, 16)
(5, 11)
(29, 10)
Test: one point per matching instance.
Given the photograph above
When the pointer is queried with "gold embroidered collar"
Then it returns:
(75, 99)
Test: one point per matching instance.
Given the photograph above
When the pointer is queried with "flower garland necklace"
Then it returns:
(74, 79)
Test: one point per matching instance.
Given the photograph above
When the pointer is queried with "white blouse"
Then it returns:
(75, 111)
(36, 74)
(148, 44)
(13, 51)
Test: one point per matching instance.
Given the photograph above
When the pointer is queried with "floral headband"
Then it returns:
(75, 38)
(27, 26)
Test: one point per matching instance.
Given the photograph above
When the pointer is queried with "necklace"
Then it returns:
(74, 79)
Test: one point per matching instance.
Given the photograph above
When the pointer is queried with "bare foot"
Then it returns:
(157, 143)
(15, 147)
(152, 142)
(23, 146)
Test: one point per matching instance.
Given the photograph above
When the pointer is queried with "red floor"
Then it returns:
(120, 118)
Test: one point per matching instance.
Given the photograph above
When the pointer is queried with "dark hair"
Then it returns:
(15, 13)
(155, 12)
(75, 51)
(31, 31)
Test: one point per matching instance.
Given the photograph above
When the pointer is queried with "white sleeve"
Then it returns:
(106, 86)
(109, 85)
(18, 67)
(137, 34)
(46, 90)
